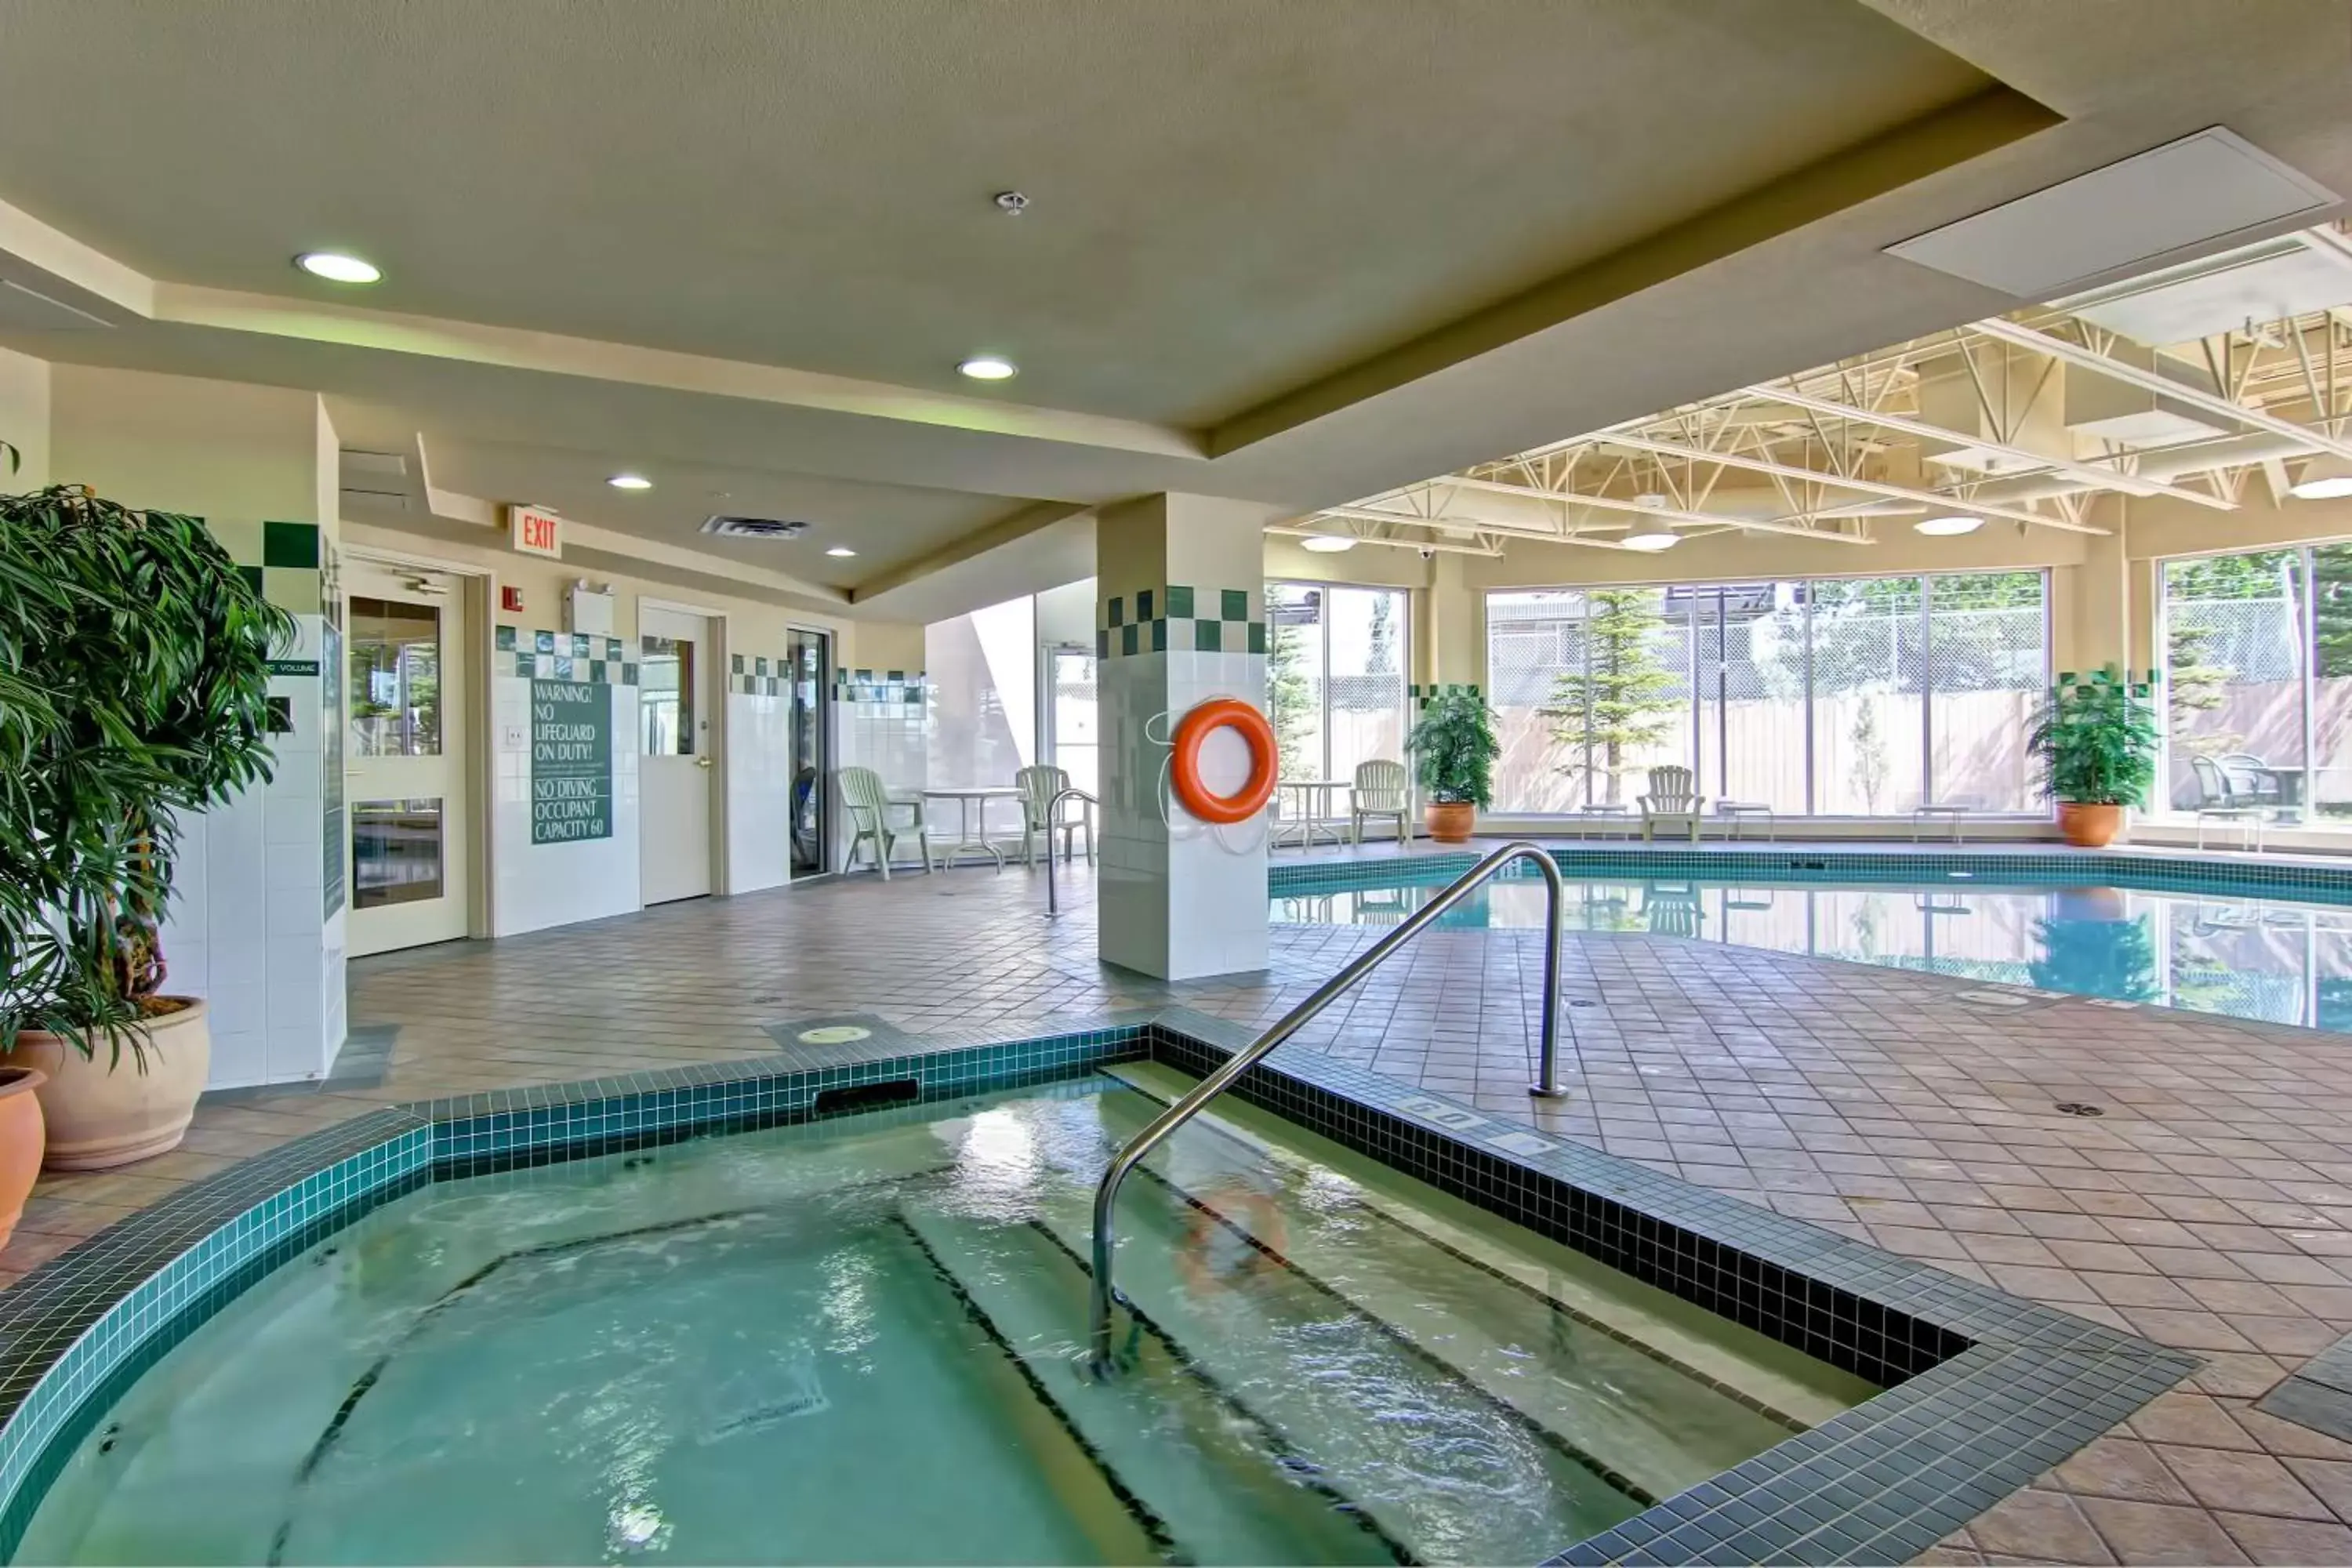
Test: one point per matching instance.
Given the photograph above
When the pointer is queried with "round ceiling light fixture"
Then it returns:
(630, 482)
(1327, 543)
(842, 550)
(336, 267)
(989, 367)
(1651, 537)
(1945, 527)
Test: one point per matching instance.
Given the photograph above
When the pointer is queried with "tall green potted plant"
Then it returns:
(2096, 737)
(134, 687)
(1453, 750)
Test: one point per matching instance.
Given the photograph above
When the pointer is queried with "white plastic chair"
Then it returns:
(1671, 800)
(869, 807)
(1379, 791)
(1038, 786)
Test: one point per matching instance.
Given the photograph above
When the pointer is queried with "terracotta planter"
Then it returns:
(20, 1141)
(2089, 827)
(99, 1116)
(1450, 822)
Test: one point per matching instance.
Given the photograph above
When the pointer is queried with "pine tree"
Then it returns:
(1619, 701)
(1869, 755)
(1289, 702)
(1380, 659)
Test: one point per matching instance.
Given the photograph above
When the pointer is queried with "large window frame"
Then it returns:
(1700, 614)
(2313, 577)
(1325, 730)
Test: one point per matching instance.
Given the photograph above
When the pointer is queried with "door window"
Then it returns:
(396, 678)
(396, 852)
(666, 697)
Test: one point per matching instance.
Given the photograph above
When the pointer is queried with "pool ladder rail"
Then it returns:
(1546, 1086)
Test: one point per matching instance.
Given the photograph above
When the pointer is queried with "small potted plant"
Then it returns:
(134, 684)
(2097, 739)
(1453, 750)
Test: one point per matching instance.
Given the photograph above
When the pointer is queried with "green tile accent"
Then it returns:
(1143, 605)
(1102, 644)
(734, 664)
(1232, 605)
(543, 642)
(1257, 636)
(1208, 636)
(759, 665)
(1159, 636)
(291, 544)
(1127, 638)
(252, 575)
(504, 637)
(1118, 610)
(1180, 604)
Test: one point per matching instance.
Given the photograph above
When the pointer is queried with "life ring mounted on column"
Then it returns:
(1184, 769)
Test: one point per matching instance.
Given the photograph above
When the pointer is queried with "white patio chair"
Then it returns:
(1380, 790)
(869, 807)
(1038, 786)
(1671, 802)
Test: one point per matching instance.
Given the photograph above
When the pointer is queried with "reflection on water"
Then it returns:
(2261, 959)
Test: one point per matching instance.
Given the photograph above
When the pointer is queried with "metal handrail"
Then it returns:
(1546, 1086)
(1052, 898)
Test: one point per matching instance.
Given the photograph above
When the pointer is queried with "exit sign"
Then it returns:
(537, 531)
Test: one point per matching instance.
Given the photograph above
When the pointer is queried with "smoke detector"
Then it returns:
(752, 527)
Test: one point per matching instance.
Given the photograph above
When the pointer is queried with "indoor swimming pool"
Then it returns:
(859, 1341)
(2240, 952)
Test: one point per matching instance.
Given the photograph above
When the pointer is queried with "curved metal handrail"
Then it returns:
(1052, 898)
(1546, 1086)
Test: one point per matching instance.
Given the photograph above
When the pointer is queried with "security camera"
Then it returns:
(1428, 554)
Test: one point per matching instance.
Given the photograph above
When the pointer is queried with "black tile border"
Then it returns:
(1984, 1390)
(2318, 1394)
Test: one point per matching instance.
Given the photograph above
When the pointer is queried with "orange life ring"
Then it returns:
(1185, 772)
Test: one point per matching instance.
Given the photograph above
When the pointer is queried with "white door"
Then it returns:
(675, 687)
(404, 758)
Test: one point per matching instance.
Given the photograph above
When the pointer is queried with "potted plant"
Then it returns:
(1453, 750)
(133, 687)
(21, 1143)
(2097, 738)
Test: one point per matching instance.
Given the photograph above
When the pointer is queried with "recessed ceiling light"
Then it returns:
(1650, 538)
(630, 482)
(840, 550)
(2328, 486)
(1326, 543)
(1959, 522)
(337, 267)
(989, 367)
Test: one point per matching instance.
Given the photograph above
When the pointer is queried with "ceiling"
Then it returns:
(1290, 252)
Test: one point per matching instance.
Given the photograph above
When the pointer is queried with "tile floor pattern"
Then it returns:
(2209, 1208)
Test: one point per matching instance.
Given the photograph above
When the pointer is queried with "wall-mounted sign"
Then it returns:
(536, 530)
(570, 761)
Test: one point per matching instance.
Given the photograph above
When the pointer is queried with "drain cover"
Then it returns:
(832, 1035)
(2076, 1108)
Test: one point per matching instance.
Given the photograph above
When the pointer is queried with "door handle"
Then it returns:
(703, 763)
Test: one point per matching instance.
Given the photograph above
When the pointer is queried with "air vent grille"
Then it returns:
(753, 527)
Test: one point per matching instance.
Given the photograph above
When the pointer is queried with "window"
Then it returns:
(985, 666)
(1852, 697)
(1335, 676)
(2257, 678)
(666, 697)
(396, 678)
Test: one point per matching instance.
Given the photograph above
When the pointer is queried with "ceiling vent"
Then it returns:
(2192, 192)
(753, 527)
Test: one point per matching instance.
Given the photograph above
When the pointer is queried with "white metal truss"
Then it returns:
(1829, 453)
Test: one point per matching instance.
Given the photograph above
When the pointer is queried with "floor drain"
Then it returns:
(834, 1035)
(2076, 1108)
(1573, 1003)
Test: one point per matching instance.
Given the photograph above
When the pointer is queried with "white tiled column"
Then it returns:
(1180, 620)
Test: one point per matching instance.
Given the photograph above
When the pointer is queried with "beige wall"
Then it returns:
(215, 448)
(753, 626)
(25, 418)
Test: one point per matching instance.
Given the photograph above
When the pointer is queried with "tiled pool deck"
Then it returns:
(2209, 1208)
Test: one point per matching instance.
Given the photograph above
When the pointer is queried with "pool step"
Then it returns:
(1562, 1363)
(1442, 1465)
(1184, 1449)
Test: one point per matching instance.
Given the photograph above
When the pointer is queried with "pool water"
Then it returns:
(2238, 955)
(859, 1341)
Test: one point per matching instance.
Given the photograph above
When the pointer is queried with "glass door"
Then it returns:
(808, 670)
(404, 756)
(1072, 742)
